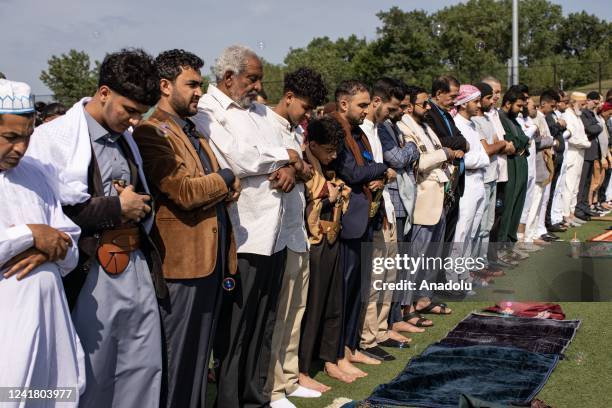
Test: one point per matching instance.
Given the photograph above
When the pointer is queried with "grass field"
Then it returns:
(582, 379)
(605, 85)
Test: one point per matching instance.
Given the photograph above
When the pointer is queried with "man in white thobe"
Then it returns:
(577, 143)
(39, 347)
(472, 205)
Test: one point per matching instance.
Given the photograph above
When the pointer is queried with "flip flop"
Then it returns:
(419, 322)
(429, 309)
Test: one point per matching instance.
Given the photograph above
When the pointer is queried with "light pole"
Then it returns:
(515, 44)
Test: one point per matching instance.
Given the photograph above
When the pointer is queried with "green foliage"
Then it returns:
(333, 60)
(472, 40)
(475, 40)
(71, 77)
(273, 81)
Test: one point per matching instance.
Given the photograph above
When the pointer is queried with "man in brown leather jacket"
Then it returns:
(192, 229)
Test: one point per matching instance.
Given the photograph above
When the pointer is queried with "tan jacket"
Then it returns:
(185, 228)
(431, 177)
(314, 205)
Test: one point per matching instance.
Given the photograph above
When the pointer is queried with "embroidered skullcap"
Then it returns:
(578, 96)
(15, 97)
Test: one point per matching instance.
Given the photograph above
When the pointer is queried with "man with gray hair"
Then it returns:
(246, 143)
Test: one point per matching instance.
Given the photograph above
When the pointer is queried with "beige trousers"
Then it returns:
(283, 370)
(375, 326)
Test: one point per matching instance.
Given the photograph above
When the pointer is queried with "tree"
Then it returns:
(71, 77)
(333, 60)
(273, 76)
(580, 32)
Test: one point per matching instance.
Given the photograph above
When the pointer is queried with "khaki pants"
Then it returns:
(599, 174)
(375, 326)
(283, 371)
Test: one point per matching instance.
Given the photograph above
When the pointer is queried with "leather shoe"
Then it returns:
(393, 343)
(583, 216)
(378, 353)
(556, 228)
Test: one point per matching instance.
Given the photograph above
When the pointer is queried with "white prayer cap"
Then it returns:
(15, 97)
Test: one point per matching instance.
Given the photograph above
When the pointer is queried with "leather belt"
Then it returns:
(114, 248)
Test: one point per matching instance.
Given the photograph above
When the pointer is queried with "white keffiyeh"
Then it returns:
(63, 148)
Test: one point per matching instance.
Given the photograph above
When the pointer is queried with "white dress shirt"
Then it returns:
(371, 132)
(249, 145)
(292, 229)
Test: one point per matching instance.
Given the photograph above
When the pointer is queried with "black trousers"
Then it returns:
(356, 288)
(582, 201)
(499, 209)
(322, 322)
(244, 334)
(553, 185)
(189, 316)
(452, 216)
(395, 313)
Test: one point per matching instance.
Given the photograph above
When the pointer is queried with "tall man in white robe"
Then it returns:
(116, 313)
(577, 143)
(472, 205)
(39, 347)
(493, 147)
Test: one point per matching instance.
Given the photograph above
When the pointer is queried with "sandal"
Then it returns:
(429, 309)
(419, 322)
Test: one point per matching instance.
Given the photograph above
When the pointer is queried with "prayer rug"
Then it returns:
(528, 309)
(438, 377)
(536, 335)
(605, 237)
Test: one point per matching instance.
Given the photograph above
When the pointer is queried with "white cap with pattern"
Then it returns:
(15, 97)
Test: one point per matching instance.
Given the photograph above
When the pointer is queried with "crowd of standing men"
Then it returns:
(131, 248)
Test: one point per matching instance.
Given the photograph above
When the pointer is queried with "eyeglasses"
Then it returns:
(423, 105)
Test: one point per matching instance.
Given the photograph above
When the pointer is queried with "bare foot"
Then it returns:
(359, 357)
(406, 327)
(398, 337)
(350, 370)
(308, 382)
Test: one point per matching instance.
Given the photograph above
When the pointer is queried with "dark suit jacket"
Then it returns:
(452, 139)
(186, 225)
(355, 220)
(592, 128)
(556, 131)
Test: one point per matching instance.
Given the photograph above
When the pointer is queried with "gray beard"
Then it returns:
(245, 102)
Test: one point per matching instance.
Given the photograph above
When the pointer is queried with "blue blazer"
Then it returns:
(355, 220)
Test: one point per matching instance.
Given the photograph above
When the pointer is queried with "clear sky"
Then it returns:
(34, 30)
